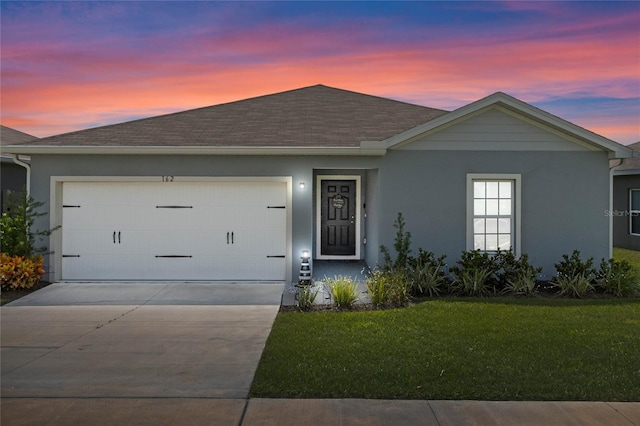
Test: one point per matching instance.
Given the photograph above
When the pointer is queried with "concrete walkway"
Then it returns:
(186, 354)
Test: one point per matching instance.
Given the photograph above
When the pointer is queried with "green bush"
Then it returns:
(344, 291)
(306, 296)
(575, 277)
(475, 274)
(388, 288)
(16, 235)
(617, 278)
(516, 275)
(402, 246)
(426, 274)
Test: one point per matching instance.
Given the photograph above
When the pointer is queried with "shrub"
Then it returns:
(306, 296)
(388, 288)
(402, 245)
(617, 278)
(16, 235)
(475, 274)
(344, 291)
(574, 276)
(19, 272)
(516, 275)
(426, 274)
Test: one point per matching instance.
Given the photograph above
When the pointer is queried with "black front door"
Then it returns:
(338, 221)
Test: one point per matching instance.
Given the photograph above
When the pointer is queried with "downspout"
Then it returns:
(611, 172)
(16, 160)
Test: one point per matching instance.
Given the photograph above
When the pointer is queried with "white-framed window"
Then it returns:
(634, 211)
(493, 212)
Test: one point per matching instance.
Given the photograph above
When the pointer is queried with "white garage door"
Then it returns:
(174, 231)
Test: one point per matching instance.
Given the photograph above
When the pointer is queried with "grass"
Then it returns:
(491, 349)
(631, 256)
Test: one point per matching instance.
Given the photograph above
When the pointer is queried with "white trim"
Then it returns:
(632, 211)
(56, 197)
(319, 179)
(517, 215)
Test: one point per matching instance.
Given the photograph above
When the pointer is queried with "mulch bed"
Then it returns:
(11, 295)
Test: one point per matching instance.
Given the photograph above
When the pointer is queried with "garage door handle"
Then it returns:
(114, 237)
(232, 238)
(118, 237)
(227, 238)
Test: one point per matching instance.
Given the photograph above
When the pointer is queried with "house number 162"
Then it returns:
(168, 178)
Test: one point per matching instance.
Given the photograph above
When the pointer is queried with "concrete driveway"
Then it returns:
(135, 340)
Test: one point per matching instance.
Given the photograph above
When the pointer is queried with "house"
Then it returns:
(14, 174)
(238, 191)
(626, 201)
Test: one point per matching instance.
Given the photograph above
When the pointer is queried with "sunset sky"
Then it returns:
(72, 65)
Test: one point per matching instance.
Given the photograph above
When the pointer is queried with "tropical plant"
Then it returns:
(426, 274)
(20, 272)
(574, 277)
(306, 296)
(617, 278)
(475, 274)
(516, 275)
(344, 291)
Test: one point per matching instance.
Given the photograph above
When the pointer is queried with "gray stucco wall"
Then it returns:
(564, 194)
(621, 231)
(564, 199)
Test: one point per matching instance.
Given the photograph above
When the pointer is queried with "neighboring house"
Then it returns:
(237, 191)
(626, 202)
(14, 176)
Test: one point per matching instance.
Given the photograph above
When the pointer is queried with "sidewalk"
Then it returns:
(329, 412)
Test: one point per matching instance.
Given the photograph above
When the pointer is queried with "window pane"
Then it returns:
(492, 190)
(635, 199)
(492, 207)
(505, 207)
(492, 226)
(505, 189)
(504, 226)
(478, 189)
(478, 242)
(478, 207)
(491, 243)
(635, 224)
(505, 242)
(478, 226)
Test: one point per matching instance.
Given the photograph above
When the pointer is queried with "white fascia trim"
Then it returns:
(615, 149)
(366, 148)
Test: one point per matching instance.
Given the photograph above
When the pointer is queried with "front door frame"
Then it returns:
(319, 179)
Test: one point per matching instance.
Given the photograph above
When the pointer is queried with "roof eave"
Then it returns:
(366, 149)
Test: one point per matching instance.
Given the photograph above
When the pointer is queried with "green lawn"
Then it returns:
(479, 349)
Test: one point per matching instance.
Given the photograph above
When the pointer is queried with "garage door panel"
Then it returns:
(174, 231)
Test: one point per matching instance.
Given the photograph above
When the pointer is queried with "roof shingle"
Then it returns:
(315, 116)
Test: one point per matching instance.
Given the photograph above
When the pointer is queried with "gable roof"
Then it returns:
(529, 112)
(307, 118)
(9, 136)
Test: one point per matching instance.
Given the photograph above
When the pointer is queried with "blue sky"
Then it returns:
(72, 65)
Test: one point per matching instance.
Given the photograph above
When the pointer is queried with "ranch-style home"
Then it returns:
(238, 191)
(626, 201)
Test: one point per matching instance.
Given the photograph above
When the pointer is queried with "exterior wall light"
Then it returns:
(302, 185)
(305, 269)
